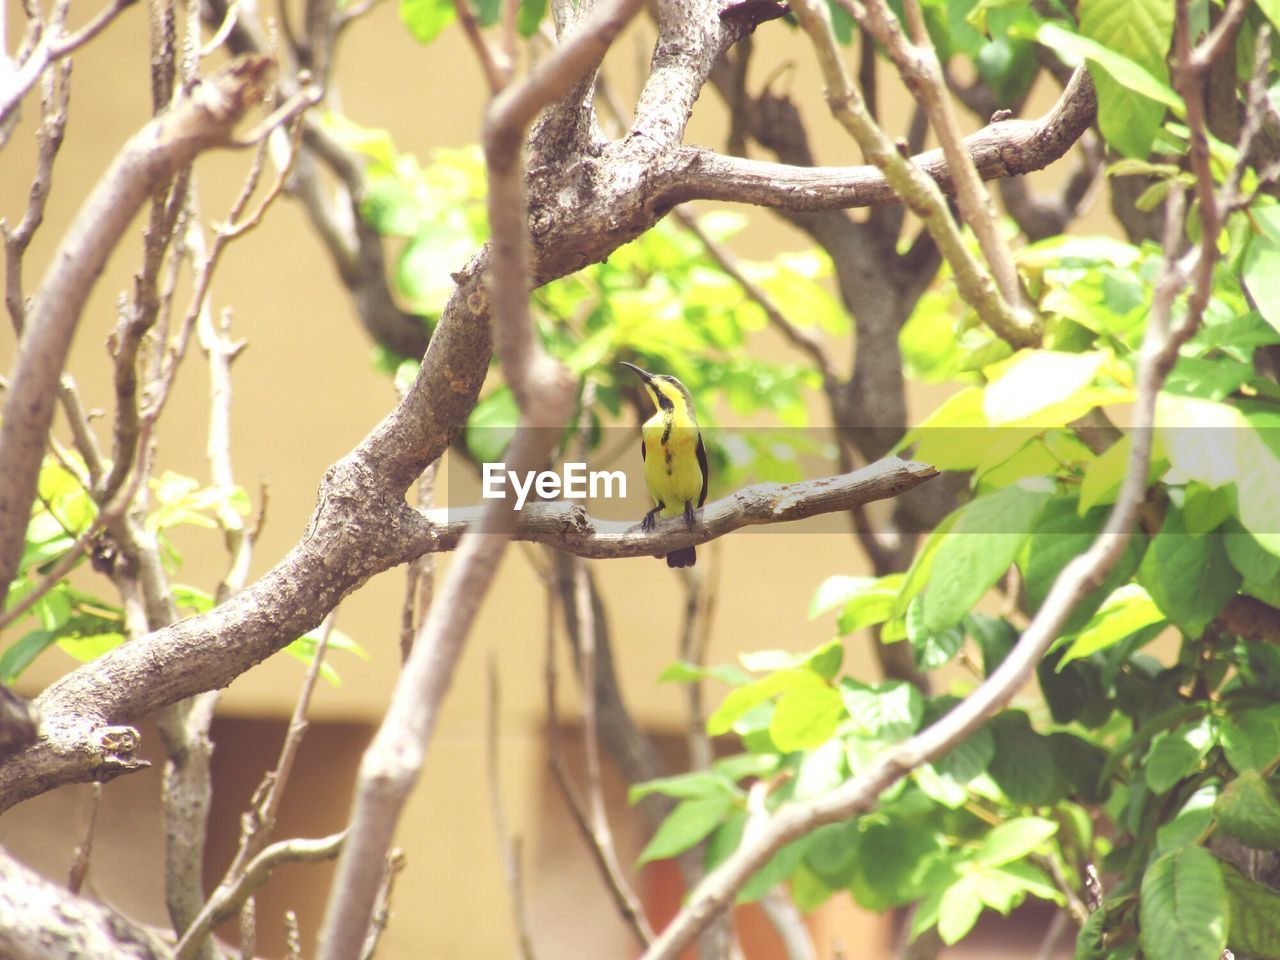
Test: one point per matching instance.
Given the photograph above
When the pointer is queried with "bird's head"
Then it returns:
(665, 391)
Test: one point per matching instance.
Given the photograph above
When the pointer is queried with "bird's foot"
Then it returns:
(688, 514)
(647, 523)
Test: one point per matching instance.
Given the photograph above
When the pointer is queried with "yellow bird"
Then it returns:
(675, 461)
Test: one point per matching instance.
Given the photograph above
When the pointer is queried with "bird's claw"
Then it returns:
(647, 524)
(688, 514)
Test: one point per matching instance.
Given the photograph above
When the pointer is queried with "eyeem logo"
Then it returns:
(576, 483)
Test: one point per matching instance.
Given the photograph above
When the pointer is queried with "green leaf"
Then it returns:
(529, 16)
(1103, 476)
(995, 638)
(1260, 271)
(1174, 754)
(1023, 764)
(686, 786)
(22, 652)
(1128, 39)
(743, 765)
(1128, 610)
(808, 890)
(1189, 576)
(1251, 558)
(491, 425)
(968, 758)
(977, 552)
(775, 871)
(821, 769)
(689, 823)
(889, 711)
(426, 18)
(933, 650)
(824, 660)
(741, 699)
(1254, 915)
(836, 591)
(1251, 740)
(1189, 824)
(1061, 534)
(1014, 839)
(834, 852)
(893, 858)
(1036, 387)
(866, 601)
(805, 718)
(681, 671)
(959, 909)
(88, 647)
(1247, 810)
(1082, 764)
(1270, 9)
(1183, 910)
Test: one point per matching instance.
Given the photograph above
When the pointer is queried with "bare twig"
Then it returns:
(227, 900)
(508, 846)
(203, 119)
(918, 191)
(600, 833)
(917, 62)
(54, 45)
(55, 95)
(396, 862)
(493, 73)
(258, 823)
(804, 340)
(788, 922)
(80, 859)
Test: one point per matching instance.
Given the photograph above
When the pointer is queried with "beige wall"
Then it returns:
(305, 394)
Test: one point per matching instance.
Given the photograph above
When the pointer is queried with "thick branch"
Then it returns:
(202, 119)
(1007, 148)
(41, 920)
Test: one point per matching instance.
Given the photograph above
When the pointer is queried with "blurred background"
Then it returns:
(306, 390)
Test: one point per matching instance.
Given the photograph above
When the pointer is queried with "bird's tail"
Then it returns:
(682, 558)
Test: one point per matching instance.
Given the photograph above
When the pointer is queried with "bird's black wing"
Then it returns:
(706, 476)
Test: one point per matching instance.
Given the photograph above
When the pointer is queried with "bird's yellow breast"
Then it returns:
(671, 469)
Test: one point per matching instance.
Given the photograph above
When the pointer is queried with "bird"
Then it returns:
(675, 460)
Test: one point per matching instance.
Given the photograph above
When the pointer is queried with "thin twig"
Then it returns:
(917, 62)
(601, 834)
(80, 859)
(493, 73)
(396, 862)
(259, 821)
(227, 900)
(802, 339)
(508, 846)
(918, 191)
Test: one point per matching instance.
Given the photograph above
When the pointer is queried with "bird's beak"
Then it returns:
(645, 375)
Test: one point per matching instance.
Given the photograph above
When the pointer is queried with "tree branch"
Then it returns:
(197, 121)
(1159, 352)
(40, 920)
(569, 528)
(1006, 148)
(545, 392)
